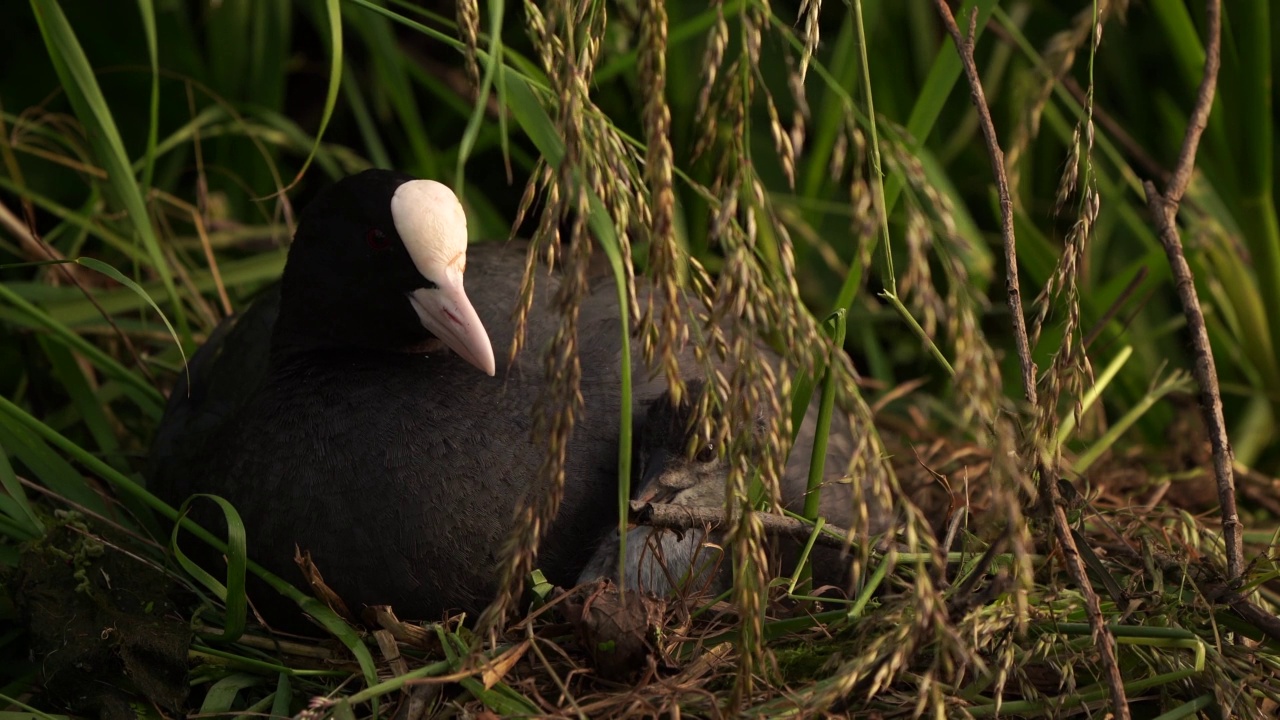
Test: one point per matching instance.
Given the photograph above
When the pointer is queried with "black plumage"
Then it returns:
(393, 460)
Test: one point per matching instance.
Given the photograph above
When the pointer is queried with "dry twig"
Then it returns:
(965, 48)
(1103, 638)
(686, 517)
(1164, 212)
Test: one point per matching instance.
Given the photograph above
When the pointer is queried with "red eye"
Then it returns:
(376, 239)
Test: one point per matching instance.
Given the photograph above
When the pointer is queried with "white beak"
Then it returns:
(448, 314)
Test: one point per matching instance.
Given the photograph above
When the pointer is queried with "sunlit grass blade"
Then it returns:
(1176, 382)
(1094, 393)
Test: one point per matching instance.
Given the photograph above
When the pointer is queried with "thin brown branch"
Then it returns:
(1204, 104)
(1164, 213)
(965, 48)
(1102, 637)
(686, 517)
(1215, 590)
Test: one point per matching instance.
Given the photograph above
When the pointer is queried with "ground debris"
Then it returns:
(101, 624)
(619, 629)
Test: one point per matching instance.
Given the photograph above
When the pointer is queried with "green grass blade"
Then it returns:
(246, 273)
(852, 281)
(105, 269)
(390, 66)
(533, 118)
(78, 219)
(829, 118)
(334, 15)
(504, 133)
(233, 593)
(364, 121)
(89, 408)
(81, 87)
(818, 462)
(148, 398)
(283, 694)
(430, 32)
(492, 62)
(602, 226)
(20, 508)
(12, 416)
(1251, 104)
(153, 54)
(48, 467)
(222, 695)
(30, 713)
(928, 107)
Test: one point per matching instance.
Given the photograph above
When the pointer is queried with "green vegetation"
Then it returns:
(153, 156)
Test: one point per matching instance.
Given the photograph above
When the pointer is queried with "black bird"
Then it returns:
(675, 467)
(366, 434)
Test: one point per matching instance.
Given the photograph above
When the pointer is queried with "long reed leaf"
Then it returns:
(81, 87)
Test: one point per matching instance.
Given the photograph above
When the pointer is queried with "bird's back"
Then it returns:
(401, 473)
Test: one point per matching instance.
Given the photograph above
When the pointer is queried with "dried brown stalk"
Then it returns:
(685, 517)
(468, 13)
(662, 314)
(1164, 212)
(1105, 642)
(35, 244)
(568, 51)
(965, 48)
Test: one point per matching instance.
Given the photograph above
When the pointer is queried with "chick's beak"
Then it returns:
(447, 313)
(652, 489)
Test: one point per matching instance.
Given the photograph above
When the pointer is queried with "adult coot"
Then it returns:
(674, 467)
(368, 437)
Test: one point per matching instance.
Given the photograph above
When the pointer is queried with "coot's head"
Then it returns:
(377, 262)
(679, 462)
